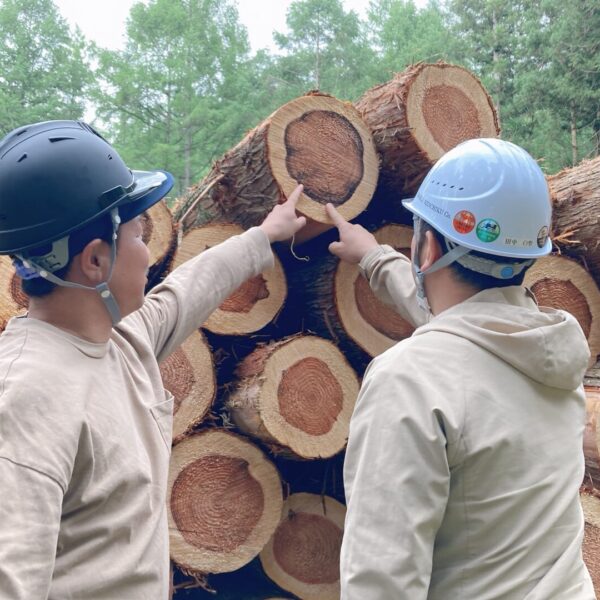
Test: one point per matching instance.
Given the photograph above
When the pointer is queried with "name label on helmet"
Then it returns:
(436, 209)
(514, 242)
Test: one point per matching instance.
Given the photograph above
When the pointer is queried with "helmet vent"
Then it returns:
(23, 157)
(59, 139)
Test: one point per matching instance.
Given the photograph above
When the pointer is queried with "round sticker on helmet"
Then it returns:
(464, 221)
(542, 236)
(488, 230)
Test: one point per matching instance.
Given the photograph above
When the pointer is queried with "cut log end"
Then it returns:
(591, 540)
(12, 299)
(372, 325)
(560, 282)
(422, 113)
(255, 303)
(314, 144)
(297, 394)
(225, 502)
(160, 235)
(303, 555)
(200, 514)
(189, 375)
(322, 143)
(591, 440)
(447, 105)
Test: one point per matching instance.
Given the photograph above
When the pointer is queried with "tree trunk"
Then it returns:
(224, 502)
(189, 374)
(315, 140)
(576, 212)
(422, 113)
(296, 395)
(338, 304)
(573, 136)
(255, 303)
(303, 556)
(560, 282)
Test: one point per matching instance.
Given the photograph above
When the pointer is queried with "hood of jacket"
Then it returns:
(545, 344)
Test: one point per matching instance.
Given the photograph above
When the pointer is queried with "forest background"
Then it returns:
(186, 86)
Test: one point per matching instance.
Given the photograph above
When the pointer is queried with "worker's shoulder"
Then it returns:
(36, 371)
(427, 343)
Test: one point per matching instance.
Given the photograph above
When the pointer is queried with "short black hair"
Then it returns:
(78, 240)
(479, 281)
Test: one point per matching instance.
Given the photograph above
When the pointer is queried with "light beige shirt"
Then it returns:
(465, 456)
(85, 437)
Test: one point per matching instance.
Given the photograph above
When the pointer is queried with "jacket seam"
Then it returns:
(38, 471)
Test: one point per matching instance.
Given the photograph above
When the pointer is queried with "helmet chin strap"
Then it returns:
(102, 288)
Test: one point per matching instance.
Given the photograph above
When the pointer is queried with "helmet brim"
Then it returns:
(150, 187)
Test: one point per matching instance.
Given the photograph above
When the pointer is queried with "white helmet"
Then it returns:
(488, 195)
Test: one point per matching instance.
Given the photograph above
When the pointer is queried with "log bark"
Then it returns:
(224, 502)
(255, 303)
(422, 113)
(303, 556)
(189, 374)
(560, 282)
(576, 213)
(315, 140)
(296, 395)
(338, 303)
(13, 301)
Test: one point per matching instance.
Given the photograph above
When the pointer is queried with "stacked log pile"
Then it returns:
(265, 390)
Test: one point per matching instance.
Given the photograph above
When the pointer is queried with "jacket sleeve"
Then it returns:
(389, 274)
(30, 512)
(396, 477)
(186, 298)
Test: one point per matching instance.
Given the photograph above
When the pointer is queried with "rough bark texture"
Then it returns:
(576, 213)
(449, 106)
(315, 140)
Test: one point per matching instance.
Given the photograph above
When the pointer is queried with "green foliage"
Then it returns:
(541, 63)
(403, 35)
(43, 66)
(325, 49)
(173, 98)
(186, 88)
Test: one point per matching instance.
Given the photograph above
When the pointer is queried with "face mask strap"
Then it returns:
(453, 255)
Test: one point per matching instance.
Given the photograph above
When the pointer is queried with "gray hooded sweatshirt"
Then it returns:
(465, 453)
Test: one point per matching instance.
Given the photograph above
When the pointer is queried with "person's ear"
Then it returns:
(431, 251)
(94, 261)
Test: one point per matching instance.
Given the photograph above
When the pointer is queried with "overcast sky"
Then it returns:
(104, 20)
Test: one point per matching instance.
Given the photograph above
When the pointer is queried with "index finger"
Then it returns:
(295, 195)
(335, 216)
